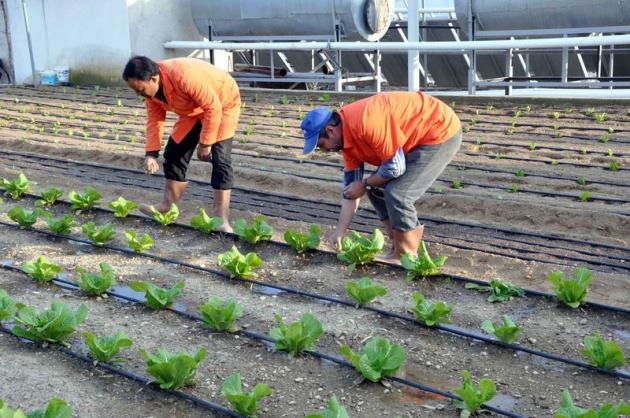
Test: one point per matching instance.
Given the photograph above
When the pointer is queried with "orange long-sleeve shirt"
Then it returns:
(375, 128)
(194, 90)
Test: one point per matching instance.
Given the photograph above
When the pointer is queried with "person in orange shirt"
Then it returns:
(409, 136)
(207, 103)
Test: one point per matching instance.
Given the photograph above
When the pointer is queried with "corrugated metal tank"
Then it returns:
(360, 19)
(543, 14)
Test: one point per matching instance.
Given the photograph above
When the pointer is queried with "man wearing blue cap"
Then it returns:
(409, 136)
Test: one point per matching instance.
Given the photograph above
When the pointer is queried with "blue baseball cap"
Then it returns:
(314, 121)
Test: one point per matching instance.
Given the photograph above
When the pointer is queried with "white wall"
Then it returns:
(95, 38)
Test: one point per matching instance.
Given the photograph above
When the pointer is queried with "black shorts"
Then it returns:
(177, 157)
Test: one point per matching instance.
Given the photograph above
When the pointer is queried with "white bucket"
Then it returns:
(48, 77)
(63, 74)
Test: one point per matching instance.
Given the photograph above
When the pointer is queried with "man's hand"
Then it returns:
(355, 190)
(335, 239)
(204, 152)
(150, 165)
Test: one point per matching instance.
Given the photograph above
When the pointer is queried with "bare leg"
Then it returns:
(405, 242)
(221, 202)
(173, 193)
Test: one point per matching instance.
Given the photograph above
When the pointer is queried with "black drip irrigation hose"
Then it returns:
(592, 262)
(533, 160)
(368, 308)
(112, 369)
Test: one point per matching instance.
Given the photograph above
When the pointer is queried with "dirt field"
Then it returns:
(493, 224)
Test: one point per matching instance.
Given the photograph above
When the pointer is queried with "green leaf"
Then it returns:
(220, 316)
(298, 336)
(204, 223)
(142, 244)
(17, 187)
(84, 202)
(8, 308)
(167, 217)
(571, 291)
(105, 348)
(24, 217)
(431, 313)
(377, 359)
(260, 230)
(423, 265)
(508, 333)
(41, 269)
(61, 226)
(603, 354)
(474, 397)
(122, 207)
(172, 371)
(334, 410)
(53, 325)
(156, 297)
(363, 291)
(360, 250)
(303, 242)
(101, 235)
(244, 403)
(96, 284)
(239, 265)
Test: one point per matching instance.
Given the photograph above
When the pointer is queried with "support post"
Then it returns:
(30, 45)
(413, 56)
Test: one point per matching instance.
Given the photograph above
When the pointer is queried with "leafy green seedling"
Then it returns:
(167, 217)
(41, 269)
(457, 184)
(422, 266)
(298, 336)
(377, 359)
(17, 187)
(605, 138)
(61, 226)
(334, 410)
(101, 235)
(571, 291)
(96, 284)
(303, 242)
(172, 371)
(508, 333)
(614, 166)
(141, 244)
(585, 195)
(239, 265)
(501, 292)
(473, 397)
(244, 403)
(156, 297)
(363, 291)
(600, 117)
(556, 115)
(204, 223)
(431, 313)
(220, 316)
(361, 250)
(122, 207)
(8, 308)
(84, 202)
(49, 326)
(57, 408)
(23, 217)
(582, 181)
(260, 230)
(520, 173)
(569, 410)
(49, 197)
(514, 188)
(603, 354)
(105, 348)
(532, 145)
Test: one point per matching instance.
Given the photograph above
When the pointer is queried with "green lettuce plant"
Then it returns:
(431, 313)
(167, 217)
(603, 354)
(23, 217)
(508, 333)
(334, 410)
(104, 349)
(172, 371)
(303, 242)
(473, 396)
(17, 187)
(49, 326)
(260, 230)
(96, 284)
(156, 297)
(204, 223)
(239, 265)
(422, 266)
(245, 404)
(122, 207)
(363, 291)
(141, 244)
(220, 316)
(61, 226)
(84, 202)
(360, 250)
(569, 410)
(99, 235)
(8, 308)
(500, 292)
(377, 359)
(298, 336)
(49, 197)
(41, 269)
(57, 408)
(571, 291)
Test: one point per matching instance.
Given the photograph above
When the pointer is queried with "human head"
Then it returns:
(142, 74)
(314, 126)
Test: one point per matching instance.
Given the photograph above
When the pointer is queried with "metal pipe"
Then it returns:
(30, 44)
(426, 47)
(413, 56)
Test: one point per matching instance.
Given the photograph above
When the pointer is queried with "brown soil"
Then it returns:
(485, 231)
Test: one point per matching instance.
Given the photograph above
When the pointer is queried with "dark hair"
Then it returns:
(334, 120)
(140, 68)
